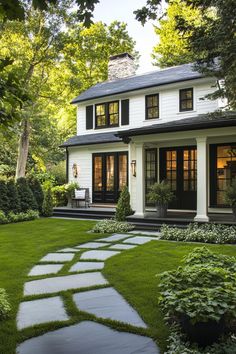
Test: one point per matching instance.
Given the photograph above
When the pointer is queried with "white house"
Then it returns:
(138, 129)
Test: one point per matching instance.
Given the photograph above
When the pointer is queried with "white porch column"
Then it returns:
(202, 185)
(140, 181)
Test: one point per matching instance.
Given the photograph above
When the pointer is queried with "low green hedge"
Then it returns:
(13, 218)
(207, 233)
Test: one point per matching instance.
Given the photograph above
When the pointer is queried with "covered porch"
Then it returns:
(198, 164)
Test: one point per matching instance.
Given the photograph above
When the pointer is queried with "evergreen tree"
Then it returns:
(37, 190)
(27, 199)
(13, 197)
(123, 208)
(47, 209)
(3, 197)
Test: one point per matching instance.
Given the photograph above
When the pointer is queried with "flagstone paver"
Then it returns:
(88, 338)
(86, 266)
(98, 255)
(58, 257)
(121, 246)
(45, 269)
(69, 250)
(41, 311)
(140, 240)
(56, 284)
(93, 245)
(108, 303)
(114, 238)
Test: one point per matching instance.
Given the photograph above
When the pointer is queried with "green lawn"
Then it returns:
(133, 273)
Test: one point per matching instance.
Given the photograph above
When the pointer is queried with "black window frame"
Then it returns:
(148, 107)
(181, 100)
(107, 115)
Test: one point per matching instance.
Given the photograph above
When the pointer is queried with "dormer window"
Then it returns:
(152, 106)
(107, 115)
(186, 100)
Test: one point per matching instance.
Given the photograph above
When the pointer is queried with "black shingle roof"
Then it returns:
(89, 139)
(132, 83)
(211, 120)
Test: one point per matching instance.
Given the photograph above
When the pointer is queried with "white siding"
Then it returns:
(169, 106)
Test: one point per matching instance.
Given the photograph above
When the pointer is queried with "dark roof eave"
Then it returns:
(91, 143)
(177, 128)
(74, 101)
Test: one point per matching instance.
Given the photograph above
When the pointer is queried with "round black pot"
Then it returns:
(203, 333)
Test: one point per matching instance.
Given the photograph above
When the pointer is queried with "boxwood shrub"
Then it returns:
(5, 307)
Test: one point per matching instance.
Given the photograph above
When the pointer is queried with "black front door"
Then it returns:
(178, 166)
(110, 175)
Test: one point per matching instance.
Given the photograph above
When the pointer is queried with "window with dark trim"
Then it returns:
(152, 106)
(107, 114)
(186, 100)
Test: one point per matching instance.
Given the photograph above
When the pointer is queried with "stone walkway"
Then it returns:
(104, 303)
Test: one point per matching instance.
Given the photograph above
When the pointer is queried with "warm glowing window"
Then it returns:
(152, 106)
(186, 100)
(107, 114)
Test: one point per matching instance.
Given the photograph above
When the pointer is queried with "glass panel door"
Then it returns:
(151, 171)
(98, 183)
(123, 171)
(110, 173)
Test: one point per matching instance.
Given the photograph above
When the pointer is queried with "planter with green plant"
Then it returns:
(201, 295)
(162, 195)
(230, 196)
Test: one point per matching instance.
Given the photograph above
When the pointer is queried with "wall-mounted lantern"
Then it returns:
(75, 170)
(133, 167)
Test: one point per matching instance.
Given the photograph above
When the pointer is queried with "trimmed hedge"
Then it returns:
(13, 197)
(13, 218)
(37, 190)
(4, 204)
(27, 199)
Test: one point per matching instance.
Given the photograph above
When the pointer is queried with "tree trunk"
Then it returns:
(23, 149)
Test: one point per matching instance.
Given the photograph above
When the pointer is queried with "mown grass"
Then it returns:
(134, 273)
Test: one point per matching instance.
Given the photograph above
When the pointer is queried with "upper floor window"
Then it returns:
(186, 100)
(152, 106)
(107, 114)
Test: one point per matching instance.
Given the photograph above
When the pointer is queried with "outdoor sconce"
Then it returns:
(75, 170)
(133, 167)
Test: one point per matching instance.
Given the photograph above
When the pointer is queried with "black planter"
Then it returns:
(161, 210)
(203, 333)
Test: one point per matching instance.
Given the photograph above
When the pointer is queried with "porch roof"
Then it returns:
(89, 139)
(206, 121)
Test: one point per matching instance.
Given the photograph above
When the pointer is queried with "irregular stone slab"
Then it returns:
(140, 240)
(93, 245)
(99, 255)
(68, 250)
(148, 233)
(41, 311)
(56, 284)
(57, 257)
(43, 269)
(88, 338)
(83, 266)
(114, 238)
(108, 303)
(121, 246)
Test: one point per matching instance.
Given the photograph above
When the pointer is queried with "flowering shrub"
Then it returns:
(110, 226)
(5, 307)
(208, 233)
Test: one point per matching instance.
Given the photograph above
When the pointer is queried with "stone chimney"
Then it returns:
(120, 66)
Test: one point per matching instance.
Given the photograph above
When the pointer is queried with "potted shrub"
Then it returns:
(70, 191)
(230, 196)
(200, 296)
(162, 195)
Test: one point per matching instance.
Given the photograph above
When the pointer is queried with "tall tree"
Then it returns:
(213, 40)
(173, 48)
